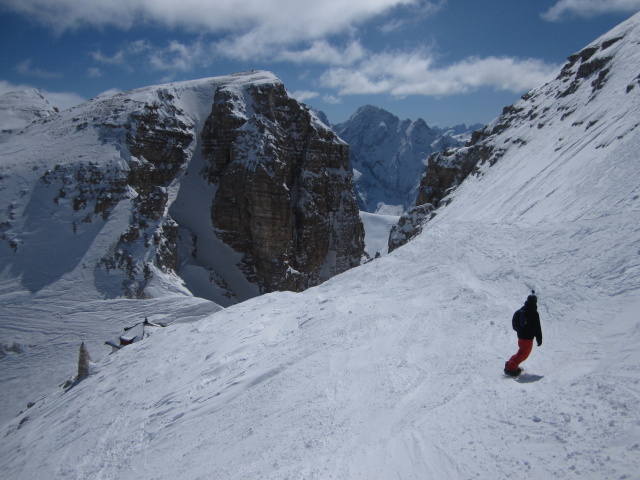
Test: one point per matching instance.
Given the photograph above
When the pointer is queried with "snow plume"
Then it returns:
(61, 100)
(26, 68)
(322, 52)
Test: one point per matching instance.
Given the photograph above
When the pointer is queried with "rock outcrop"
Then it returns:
(284, 194)
(157, 136)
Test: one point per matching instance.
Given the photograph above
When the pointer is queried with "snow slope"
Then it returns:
(376, 232)
(394, 369)
(18, 109)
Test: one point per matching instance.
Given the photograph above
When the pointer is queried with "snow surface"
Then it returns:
(376, 232)
(394, 369)
(18, 109)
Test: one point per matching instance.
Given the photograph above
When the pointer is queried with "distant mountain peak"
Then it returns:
(388, 156)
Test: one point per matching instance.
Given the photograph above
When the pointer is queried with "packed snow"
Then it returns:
(392, 369)
(376, 232)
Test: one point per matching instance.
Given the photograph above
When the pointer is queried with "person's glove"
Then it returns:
(539, 343)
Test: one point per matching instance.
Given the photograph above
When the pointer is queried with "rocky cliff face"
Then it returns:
(155, 189)
(569, 107)
(284, 194)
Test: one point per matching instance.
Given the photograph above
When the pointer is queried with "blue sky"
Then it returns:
(446, 61)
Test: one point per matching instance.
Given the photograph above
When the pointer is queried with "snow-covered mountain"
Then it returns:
(19, 109)
(461, 132)
(222, 188)
(147, 190)
(590, 103)
(394, 369)
(388, 156)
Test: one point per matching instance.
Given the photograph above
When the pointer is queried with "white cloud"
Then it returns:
(6, 87)
(417, 13)
(133, 53)
(174, 57)
(116, 59)
(280, 20)
(589, 8)
(414, 73)
(277, 30)
(304, 95)
(93, 72)
(179, 57)
(331, 99)
(322, 52)
(394, 25)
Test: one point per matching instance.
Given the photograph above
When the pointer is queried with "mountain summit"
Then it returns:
(223, 188)
(388, 157)
(19, 109)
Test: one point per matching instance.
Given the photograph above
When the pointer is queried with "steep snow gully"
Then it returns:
(394, 369)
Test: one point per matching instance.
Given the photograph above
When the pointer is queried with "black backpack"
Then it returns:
(519, 320)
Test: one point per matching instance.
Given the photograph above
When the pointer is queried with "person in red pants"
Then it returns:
(526, 322)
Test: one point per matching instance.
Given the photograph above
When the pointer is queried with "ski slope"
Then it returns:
(389, 370)
(394, 369)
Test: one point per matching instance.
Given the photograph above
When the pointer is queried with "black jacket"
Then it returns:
(532, 329)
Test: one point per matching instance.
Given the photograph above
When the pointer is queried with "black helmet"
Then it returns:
(532, 299)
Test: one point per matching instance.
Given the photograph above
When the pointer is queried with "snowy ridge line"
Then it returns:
(591, 105)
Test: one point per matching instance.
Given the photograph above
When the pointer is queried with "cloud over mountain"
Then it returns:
(417, 73)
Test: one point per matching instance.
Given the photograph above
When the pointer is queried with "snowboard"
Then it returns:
(525, 377)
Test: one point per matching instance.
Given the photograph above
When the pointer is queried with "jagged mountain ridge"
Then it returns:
(388, 156)
(110, 174)
(592, 101)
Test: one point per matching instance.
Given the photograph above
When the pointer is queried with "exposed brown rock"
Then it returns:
(285, 195)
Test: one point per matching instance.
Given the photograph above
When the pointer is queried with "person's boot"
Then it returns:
(511, 373)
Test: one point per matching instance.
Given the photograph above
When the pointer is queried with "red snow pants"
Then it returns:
(524, 350)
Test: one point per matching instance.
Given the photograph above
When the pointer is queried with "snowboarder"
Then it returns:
(526, 322)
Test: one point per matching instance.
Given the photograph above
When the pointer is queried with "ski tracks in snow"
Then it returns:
(398, 376)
